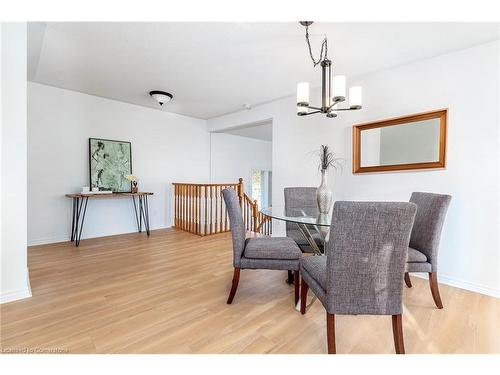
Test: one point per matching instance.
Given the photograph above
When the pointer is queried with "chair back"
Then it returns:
(366, 257)
(426, 232)
(299, 197)
(236, 222)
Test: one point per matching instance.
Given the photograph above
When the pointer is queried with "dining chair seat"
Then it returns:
(417, 267)
(297, 235)
(314, 273)
(415, 256)
(271, 248)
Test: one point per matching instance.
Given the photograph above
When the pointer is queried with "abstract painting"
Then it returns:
(110, 161)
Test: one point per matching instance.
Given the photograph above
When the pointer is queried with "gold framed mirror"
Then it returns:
(415, 141)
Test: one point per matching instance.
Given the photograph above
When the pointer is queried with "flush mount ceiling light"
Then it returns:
(161, 97)
(332, 88)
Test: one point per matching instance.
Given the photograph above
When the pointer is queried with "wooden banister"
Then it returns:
(200, 209)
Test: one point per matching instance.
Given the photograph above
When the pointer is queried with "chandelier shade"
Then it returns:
(333, 88)
(355, 97)
(339, 88)
(303, 94)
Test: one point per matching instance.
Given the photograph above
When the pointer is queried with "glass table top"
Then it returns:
(298, 215)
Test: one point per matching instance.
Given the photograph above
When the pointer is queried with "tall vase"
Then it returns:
(324, 195)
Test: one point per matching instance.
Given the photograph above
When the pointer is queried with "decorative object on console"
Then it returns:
(327, 160)
(86, 191)
(134, 180)
(332, 88)
(109, 163)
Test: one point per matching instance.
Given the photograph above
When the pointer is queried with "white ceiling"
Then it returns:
(263, 132)
(216, 68)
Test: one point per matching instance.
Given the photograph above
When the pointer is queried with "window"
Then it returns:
(261, 187)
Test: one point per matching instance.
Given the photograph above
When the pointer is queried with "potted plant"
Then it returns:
(327, 160)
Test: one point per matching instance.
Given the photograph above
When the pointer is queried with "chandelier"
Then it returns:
(333, 89)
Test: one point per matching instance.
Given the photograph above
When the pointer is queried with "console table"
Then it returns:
(141, 210)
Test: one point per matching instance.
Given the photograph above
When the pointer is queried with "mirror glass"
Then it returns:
(414, 142)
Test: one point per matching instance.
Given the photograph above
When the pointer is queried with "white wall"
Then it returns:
(166, 147)
(464, 81)
(233, 157)
(14, 272)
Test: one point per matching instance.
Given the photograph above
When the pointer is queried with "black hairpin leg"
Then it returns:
(139, 226)
(144, 211)
(79, 210)
(73, 216)
(147, 214)
(140, 213)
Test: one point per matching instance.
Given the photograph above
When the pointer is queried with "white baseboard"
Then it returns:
(18, 294)
(49, 240)
(462, 284)
(66, 238)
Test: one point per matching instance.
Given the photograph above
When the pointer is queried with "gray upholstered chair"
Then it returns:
(425, 236)
(274, 253)
(362, 272)
(301, 198)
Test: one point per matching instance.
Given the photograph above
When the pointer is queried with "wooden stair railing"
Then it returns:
(200, 209)
(254, 220)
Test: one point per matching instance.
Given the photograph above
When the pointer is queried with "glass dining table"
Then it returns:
(313, 225)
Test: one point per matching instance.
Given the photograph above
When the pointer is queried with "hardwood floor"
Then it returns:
(167, 294)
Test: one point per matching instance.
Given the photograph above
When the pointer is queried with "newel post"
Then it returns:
(255, 214)
(240, 190)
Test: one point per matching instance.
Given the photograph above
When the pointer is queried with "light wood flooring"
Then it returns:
(167, 294)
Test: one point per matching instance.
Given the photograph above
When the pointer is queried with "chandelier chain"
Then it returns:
(324, 48)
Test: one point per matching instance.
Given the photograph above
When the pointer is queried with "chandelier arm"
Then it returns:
(347, 109)
(310, 113)
(334, 104)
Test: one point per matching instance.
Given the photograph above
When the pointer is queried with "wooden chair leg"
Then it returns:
(435, 289)
(297, 285)
(397, 331)
(330, 333)
(407, 280)
(303, 296)
(236, 279)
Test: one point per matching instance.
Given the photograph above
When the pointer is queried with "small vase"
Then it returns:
(324, 195)
(135, 189)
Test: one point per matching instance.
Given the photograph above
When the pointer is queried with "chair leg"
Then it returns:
(236, 279)
(303, 296)
(407, 280)
(397, 331)
(330, 333)
(297, 285)
(435, 289)
(289, 278)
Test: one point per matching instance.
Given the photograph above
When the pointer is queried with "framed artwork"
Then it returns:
(109, 163)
